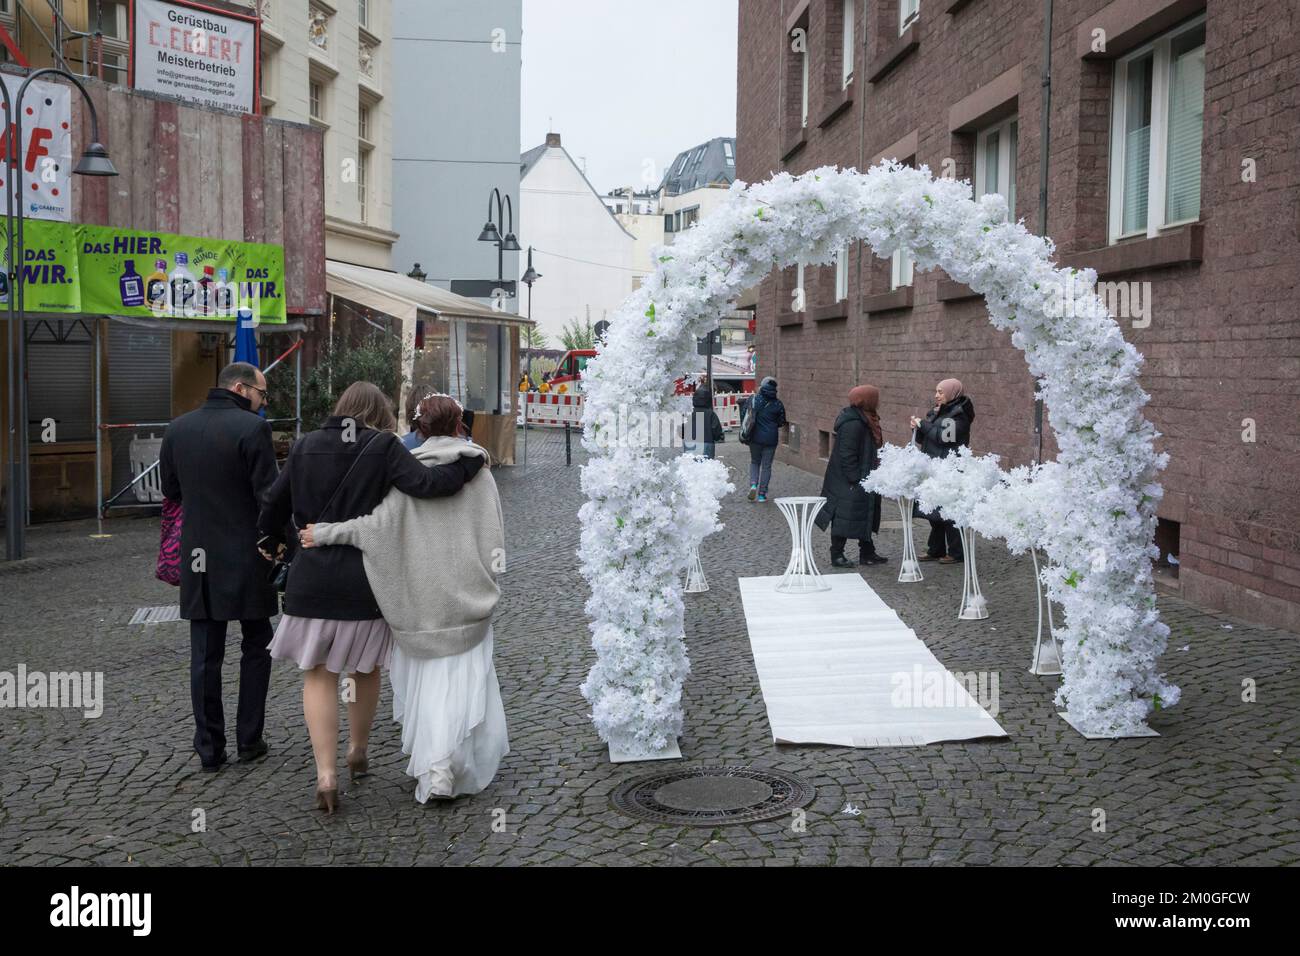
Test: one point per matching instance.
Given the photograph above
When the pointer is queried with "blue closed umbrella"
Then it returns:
(246, 343)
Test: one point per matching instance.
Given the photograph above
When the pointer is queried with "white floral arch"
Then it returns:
(1093, 511)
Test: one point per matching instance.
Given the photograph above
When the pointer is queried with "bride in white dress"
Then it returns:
(432, 565)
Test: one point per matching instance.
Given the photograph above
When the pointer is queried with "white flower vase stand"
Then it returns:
(1047, 653)
(973, 605)
(910, 572)
(801, 574)
(695, 580)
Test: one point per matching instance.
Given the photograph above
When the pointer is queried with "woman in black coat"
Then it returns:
(851, 512)
(943, 430)
(704, 430)
(332, 623)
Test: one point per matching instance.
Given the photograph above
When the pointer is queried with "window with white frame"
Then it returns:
(995, 162)
(908, 11)
(316, 100)
(900, 269)
(842, 274)
(363, 121)
(803, 88)
(846, 57)
(1156, 123)
(690, 216)
(363, 12)
(729, 151)
(363, 183)
(800, 298)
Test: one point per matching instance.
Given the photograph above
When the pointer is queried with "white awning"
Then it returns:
(405, 298)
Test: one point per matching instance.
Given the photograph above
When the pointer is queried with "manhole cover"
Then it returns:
(709, 796)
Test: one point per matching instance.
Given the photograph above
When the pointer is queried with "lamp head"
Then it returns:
(489, 233)
(95, 162)
(511, 244)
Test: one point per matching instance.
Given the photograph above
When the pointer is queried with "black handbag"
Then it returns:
(278, 577)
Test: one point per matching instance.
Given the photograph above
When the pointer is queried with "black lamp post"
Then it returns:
(418, 274)
(490, 233)
(530, 276)
(94, 162)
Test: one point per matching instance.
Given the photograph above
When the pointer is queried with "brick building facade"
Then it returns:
(1173, 169)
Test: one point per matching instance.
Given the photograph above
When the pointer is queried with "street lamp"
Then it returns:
(418, 274)
(490, 233)
(530, 276)
(94, 162)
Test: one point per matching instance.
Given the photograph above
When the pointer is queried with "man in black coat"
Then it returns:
(943, 430)
(850, 511)
(217, 461)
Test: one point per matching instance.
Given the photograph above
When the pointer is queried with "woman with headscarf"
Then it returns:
(943, 430)
(851, 512)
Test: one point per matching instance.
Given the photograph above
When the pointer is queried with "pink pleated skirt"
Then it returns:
(344, 647)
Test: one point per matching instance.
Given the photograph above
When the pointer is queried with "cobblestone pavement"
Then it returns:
(1217, 787)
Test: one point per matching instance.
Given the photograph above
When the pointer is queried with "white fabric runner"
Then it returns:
(840, 667)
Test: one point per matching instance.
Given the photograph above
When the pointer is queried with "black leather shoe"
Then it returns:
(253, 753)
(214, 767)
(839, 561)
(873, 559)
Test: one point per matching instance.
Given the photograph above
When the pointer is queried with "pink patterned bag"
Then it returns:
(169, 543)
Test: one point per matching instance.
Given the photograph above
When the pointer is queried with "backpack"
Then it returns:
(747, 426)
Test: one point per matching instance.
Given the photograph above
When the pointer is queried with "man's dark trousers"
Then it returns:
(207, 651)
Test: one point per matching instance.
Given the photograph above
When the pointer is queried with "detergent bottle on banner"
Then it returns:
(184, 288)
(155, 287)
(224, 294)
(207, 294)
(131, 285)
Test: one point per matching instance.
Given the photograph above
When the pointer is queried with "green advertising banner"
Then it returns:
(102, 270)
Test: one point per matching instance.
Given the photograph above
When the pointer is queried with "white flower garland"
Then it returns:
(1094, 513)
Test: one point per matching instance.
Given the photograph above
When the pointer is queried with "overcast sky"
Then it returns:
(624, 82)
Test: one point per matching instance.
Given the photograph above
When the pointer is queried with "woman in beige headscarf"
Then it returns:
(945, 428)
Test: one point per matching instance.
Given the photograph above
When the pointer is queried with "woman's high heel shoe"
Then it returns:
(359, 765)
(327, 800)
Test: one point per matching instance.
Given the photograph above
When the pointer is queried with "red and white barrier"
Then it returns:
(728, 409)
(550, 408)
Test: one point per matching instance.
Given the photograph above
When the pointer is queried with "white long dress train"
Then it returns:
(453, 721)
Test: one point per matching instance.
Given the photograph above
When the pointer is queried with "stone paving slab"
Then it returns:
(1218, 786)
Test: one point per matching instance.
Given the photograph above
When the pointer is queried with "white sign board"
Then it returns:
(197, 54)
(46, 150)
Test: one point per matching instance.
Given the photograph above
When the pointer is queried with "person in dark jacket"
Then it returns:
(332, 623)
(769, 419)
(705, 429)
(943, 430)
(850, 511)
(217, 461)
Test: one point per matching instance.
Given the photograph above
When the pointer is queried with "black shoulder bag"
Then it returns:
(279, 575)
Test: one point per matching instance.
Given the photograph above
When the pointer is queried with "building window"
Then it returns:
(1155, 171)
(900, 269)
(363, 183)
(995, 162)
(690, 217)
(908, 11)
(316, 100)
(729, 151)
(363, 12)
(842, 274)
(803, 88)
(800, 300)
(668, 222)
(846, 56)
(363, 121)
